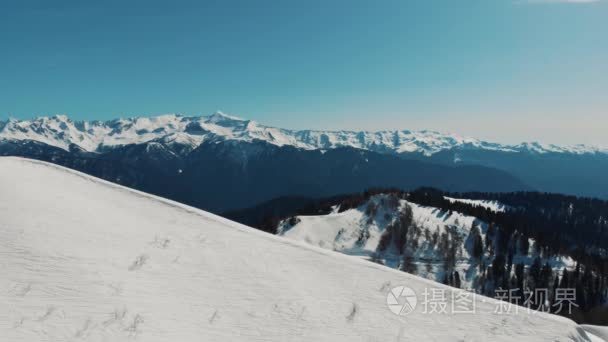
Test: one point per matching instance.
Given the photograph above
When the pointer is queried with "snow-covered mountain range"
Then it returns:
(127, 151)
(60, 131)
(84, 259)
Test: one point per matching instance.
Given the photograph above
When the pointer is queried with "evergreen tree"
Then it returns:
(534, 273)
(524, 245)
(565, 282)
(457, 281)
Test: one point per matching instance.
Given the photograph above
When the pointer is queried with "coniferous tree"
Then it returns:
(408, 265)
(524, 245)
(475, 233)
(546, 275)
(565, 282)
(519, 275)
(534, 272)
(457, 281)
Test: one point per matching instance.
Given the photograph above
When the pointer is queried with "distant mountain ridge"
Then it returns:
(160, 154)
(92, 136)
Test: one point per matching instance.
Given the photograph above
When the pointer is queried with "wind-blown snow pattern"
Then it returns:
(60, 131)
(84, 259)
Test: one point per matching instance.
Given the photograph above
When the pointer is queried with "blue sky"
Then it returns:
(505, 70)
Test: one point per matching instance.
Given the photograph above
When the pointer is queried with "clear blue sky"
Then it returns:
(505, 70)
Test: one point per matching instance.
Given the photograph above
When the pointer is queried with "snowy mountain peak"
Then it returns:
(61, 132)
(220, 117)
(61, 117)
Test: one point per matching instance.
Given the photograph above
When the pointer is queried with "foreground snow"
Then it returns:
(596, 333)
(83, 259)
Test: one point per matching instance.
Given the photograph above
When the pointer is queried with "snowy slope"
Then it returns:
(596, 333)
(358, 232)
(60, 131)
(83, 259)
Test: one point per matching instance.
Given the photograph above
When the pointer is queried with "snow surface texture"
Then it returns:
(596, 333)
(84, 259)
(60, 131)
(357, 232)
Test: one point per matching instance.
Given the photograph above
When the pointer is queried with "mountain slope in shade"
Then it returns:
(60, 131)
(246, 173)
(83, 259)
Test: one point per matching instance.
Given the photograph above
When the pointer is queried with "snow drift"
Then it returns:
(84, 259)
